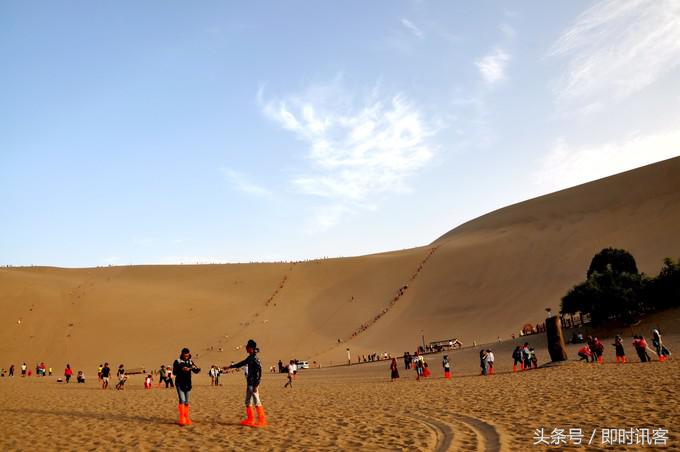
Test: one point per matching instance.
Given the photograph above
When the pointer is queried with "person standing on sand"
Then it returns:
(447, 367)
(534, 360)
(526, 356)
(23, 369)
(489, 360)
(482, 361)
(121, 378)
(148, 382)
(68, 372)
(620, 353)
(11, 370)
(253, 377)
(106, 374)
(661, 351)
(218, 372)
(426, 368)
(290, 375)
(640, 345)
(517, 359)
(419, 365)
(163, 375)
(394, 370)
(182, 368)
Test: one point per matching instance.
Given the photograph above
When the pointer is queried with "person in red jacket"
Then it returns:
(68, 372)
(585, 354)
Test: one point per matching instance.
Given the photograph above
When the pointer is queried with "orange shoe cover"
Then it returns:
(261, 418)
(187, 421)
(182, 418)
(250, 415)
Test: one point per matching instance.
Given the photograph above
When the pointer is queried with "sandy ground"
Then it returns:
(354, 407)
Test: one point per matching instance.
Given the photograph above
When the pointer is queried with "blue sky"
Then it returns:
(167, 132)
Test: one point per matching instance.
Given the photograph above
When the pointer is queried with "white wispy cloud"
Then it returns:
(410, 26)
(617, 48)
(355, 149)
(492, 66)
(242, 183)
(566, 166)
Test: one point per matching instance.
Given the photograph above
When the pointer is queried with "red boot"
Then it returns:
(250, 414)
(261, 419)
(187, 421)
(182, 417)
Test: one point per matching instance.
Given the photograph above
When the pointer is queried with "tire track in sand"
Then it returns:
(443, 431)
(488, 439)
(485, 435)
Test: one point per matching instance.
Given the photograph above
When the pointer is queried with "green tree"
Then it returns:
(664, 290)
(620, 261)
(607, 295)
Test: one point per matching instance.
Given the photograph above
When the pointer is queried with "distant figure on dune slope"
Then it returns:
(253, 377)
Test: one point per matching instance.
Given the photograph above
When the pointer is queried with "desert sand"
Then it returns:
(482, 280)
(356, 407)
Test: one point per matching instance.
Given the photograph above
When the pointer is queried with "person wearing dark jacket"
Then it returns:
(182, 368)
(253, 377)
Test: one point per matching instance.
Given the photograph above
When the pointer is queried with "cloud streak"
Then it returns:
(243, 184)
(356, 150)
(492, 67)
(411, 27)
(566, 166)
(615, 49)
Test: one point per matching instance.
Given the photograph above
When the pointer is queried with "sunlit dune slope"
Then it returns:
(483, 279)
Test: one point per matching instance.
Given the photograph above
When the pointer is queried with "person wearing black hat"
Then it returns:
(182, 368)
(253, 377)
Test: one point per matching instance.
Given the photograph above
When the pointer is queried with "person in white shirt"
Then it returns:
(291, 365)
(489, 361)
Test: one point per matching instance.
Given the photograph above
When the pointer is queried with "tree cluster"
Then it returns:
(614, 289)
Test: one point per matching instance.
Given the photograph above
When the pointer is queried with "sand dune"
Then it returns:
(483, 279)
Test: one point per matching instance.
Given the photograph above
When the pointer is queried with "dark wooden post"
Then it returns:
(553, 332)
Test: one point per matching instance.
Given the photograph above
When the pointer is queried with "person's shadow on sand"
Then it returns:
(118, 417)
(89, 415)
